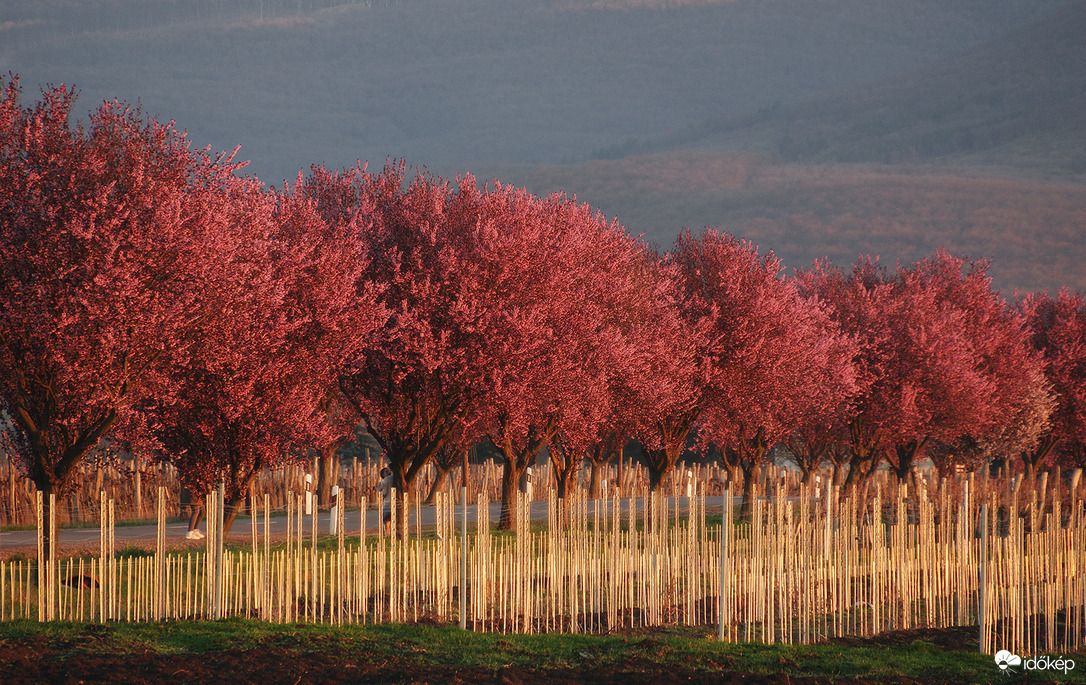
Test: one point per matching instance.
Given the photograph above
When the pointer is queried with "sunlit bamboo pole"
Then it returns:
(51, 569)
(768, 579)
(253, 585)
(299, 583)
(315, 585)
(266, 584)
(341, 559)
(464, 546)
(362, 587)
(984, 644)
(160, 557)
(220, 581)
(103, 539)
(42, 599)
(726, 568)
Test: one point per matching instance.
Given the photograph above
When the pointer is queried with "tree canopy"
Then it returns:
(151, 292)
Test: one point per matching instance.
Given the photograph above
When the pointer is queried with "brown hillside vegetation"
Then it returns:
(982, 152)
(459, 84)
(1018, 100)
(1031, 230)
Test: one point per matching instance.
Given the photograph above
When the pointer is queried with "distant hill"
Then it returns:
(458, 84)
(1032, 231)
(814, 127)
(982, 152)
(1018, 102)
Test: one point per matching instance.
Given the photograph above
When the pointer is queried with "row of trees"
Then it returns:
(154, 296)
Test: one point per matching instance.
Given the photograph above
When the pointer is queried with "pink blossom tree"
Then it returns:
(818, 425)
(415, 385)
(335, 198)
(778, 357)
(642, 359)
(1057, 328)
(665, 401)
(854, 300)
(288, 304)
(967, 365)
(940, 358)
(555, 275)
(101, 228)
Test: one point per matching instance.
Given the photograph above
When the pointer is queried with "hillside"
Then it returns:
(1032, 231)
(457, 84)
(1017, 101)
(813, 127)
(982, 152)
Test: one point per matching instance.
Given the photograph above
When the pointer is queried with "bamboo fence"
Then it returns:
(803, 569)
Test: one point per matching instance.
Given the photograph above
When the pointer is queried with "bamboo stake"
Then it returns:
(798, 572)
(41, 559)
(267, 585)
(114, 577)
(315, 586)
(725, 567)
(160, 558)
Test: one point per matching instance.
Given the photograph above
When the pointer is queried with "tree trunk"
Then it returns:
(658, 472)
(595, 485)
(241, 472)
(852, 478)
(440, 483)
(562, 466)
(234, 505)
(511, 474)
(402, 478)
(660, 463)
(406, 456)
(672, 436)
(49, 481)
(906, 457)
(864, 455)
(328, 471)
(837, 469)
(807, 455)
(562, 478)
(751, 471)
(860, 469)
(447, 458)
(517, 459)
(1032, 459)
(53, 474)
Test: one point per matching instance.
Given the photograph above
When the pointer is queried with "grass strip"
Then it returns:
(687, 650)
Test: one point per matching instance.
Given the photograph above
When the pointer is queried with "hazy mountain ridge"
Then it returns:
(457, 83)
(982, 152)
(704, 107)
(1021, 97)
(1031, 231)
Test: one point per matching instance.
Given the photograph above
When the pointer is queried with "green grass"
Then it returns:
(448, 646)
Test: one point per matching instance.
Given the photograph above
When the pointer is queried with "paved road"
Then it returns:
(146, 535)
